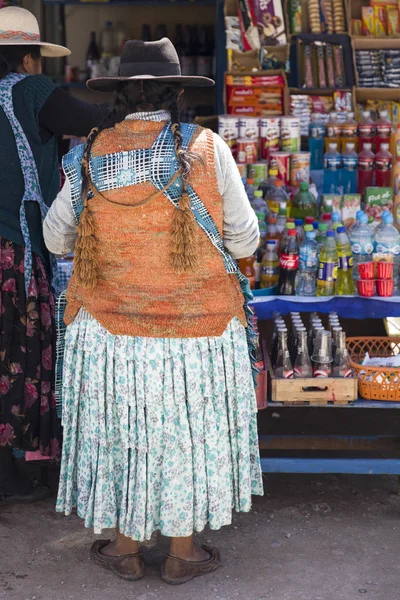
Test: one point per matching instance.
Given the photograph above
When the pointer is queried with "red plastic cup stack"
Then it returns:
(385, 282)
(366, 285)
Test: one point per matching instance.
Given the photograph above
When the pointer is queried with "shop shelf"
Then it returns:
(148, 3)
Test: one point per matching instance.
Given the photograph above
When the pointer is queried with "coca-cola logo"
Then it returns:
(289, 261)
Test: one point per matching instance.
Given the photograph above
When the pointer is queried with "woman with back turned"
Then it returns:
(159, 408)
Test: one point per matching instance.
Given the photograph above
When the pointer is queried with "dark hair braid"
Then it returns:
(131, 97)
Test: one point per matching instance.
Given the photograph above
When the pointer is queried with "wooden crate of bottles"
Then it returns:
(312, 391)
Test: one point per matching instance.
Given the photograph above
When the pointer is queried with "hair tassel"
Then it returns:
(85, 263)
(184, 254)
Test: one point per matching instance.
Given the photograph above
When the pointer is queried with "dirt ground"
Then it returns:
(309, 538)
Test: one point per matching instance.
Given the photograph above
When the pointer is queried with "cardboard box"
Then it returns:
(376, 201)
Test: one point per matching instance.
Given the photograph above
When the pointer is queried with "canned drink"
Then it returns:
(249, 128)
(242, 170)
(247, 151)
(228, 129)
(290, 134)
(281, 161)
(270, 131)
(258, 171)
(299, 168)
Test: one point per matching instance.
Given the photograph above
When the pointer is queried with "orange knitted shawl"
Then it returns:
(137, 293)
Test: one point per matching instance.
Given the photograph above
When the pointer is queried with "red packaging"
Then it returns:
(269, 133)
(385, 270)
(366, 287)
(366, 270)
(385, 287)
(281, 161)
(247, 151)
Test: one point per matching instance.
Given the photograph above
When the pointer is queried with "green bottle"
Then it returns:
(304, 204)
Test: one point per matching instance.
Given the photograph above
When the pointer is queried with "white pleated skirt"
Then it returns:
(159, 434)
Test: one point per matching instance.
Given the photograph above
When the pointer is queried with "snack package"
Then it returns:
(320, 64)
(322, 104)
(368, 20)
(248, 26)
(332, 200)
(308, 66)
(393, 20)
(270, 21)
(330, 66)
(351, 204)
(338, 16)
(356, 27)
(380, 18)
(314, 16)
(376, 201)
(295, 16)
(343, 102)
(340, 78)
(233, 34)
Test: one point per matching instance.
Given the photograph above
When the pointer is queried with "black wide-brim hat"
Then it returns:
(148, 61)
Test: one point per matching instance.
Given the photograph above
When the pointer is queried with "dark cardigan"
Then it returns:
(44, 112)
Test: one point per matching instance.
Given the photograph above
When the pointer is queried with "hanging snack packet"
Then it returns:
(320, 64)
(248, 26)
(270, 21)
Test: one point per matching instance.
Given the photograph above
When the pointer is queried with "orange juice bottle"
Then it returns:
(333, 131)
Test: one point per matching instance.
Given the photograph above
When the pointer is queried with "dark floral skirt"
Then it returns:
(28, 417)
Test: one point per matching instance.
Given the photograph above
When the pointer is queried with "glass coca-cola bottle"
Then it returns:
(302, 364)
(341, 364)
(283, 366)
(289, 264)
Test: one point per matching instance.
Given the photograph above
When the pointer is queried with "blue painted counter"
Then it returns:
(349, 307)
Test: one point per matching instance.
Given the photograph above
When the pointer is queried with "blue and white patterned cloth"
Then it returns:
(32, 191)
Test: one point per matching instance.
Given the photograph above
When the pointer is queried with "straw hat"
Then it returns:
(19, 27)
(148, 60)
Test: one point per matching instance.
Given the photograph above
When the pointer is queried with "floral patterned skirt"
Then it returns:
(28, 418)
(159, 434)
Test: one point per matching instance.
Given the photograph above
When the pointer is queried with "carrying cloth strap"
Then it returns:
(32, 190)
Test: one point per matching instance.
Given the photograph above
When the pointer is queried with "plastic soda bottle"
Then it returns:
(362, 244)
(316, 135)
(308, 264)
(276, 196)
(366, 130)
(388, 242)
(333, 131)
(356, 222)
(383, 167)
(366, 166)
(273, 234)
(304, 204)
(300, 230)
(261, 209)
(269, 266)
(328, 267)
(281, 219)
(288, 263)
(332, 170)
(349, 132)
(349, 170)
(345, 283)
(321, 235)
(383, 130)
(336, 219)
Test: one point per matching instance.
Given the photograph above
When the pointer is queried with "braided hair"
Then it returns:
(130, 97)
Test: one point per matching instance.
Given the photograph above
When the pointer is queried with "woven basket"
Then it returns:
(375, 383)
